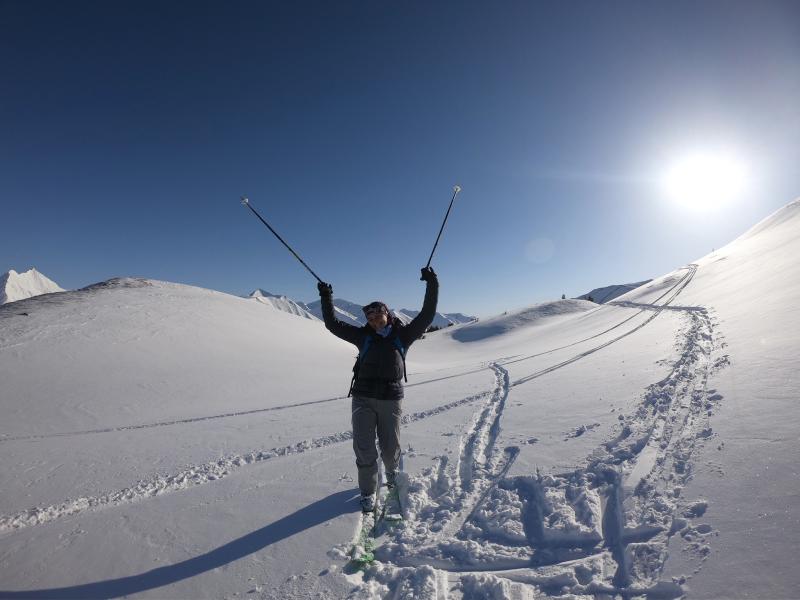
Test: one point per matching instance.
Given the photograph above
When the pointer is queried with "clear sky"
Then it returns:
(129, 130)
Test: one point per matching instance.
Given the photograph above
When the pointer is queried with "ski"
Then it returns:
(392, 511)
(388, 512)
(362, 552)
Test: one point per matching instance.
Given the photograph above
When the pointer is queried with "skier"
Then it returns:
(378, 375)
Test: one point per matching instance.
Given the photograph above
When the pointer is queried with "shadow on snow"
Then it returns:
(314, 514)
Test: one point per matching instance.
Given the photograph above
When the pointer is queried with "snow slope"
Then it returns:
(513, 321)
(18, 286)
(610, 292)
(162, 441)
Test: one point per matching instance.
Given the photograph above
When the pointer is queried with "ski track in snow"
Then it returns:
(18, 438)
(194, 475)
(600, 530)
(163, 423)
(442, 499)
(656, 309)
(674, 291)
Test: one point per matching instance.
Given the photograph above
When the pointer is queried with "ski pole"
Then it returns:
(246, 202)
(456, 189)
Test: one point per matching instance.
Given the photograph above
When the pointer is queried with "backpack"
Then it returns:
(367, 341)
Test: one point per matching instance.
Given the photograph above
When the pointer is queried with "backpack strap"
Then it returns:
(361, 354)
(402, 350)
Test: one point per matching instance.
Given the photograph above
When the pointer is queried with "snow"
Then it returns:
(165, 441)
(18, 286)
(346, 311)
(610, 292)
(440, 319)
(508, 322)
(283, 303)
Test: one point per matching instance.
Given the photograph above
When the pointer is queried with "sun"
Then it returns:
(705, 181)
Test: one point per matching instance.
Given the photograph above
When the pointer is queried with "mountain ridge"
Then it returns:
(19, 286)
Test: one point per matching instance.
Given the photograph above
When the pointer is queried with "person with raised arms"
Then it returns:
(377, 385)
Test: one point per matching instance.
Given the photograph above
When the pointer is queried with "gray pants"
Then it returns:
(371, 416)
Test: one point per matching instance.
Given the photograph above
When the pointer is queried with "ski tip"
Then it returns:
(360, 564)
(456, 188)
(245, 200)
(361, 557)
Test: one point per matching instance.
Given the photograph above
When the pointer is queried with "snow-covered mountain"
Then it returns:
(161, 440)
(350, 312)
(283, 303)
(18, 286)
(440, 319)
(610, 292)
(346, 311)
(459, 318)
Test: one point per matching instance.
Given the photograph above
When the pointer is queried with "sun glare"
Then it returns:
(705, 181)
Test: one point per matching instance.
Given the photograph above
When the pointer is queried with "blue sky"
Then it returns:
(129, 130)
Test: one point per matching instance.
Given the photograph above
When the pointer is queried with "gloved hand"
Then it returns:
(427, 274)
(325, 289)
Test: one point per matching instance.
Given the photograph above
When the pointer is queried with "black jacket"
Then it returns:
(380, 373)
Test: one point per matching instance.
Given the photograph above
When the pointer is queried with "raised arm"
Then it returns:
(422, 321)
(347, 332)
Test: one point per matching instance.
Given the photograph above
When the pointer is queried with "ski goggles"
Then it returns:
(375, 308)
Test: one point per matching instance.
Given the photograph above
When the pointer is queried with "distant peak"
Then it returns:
(259, 293)
(18, 286)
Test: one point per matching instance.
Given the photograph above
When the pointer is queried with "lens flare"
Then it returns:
(705, 181)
